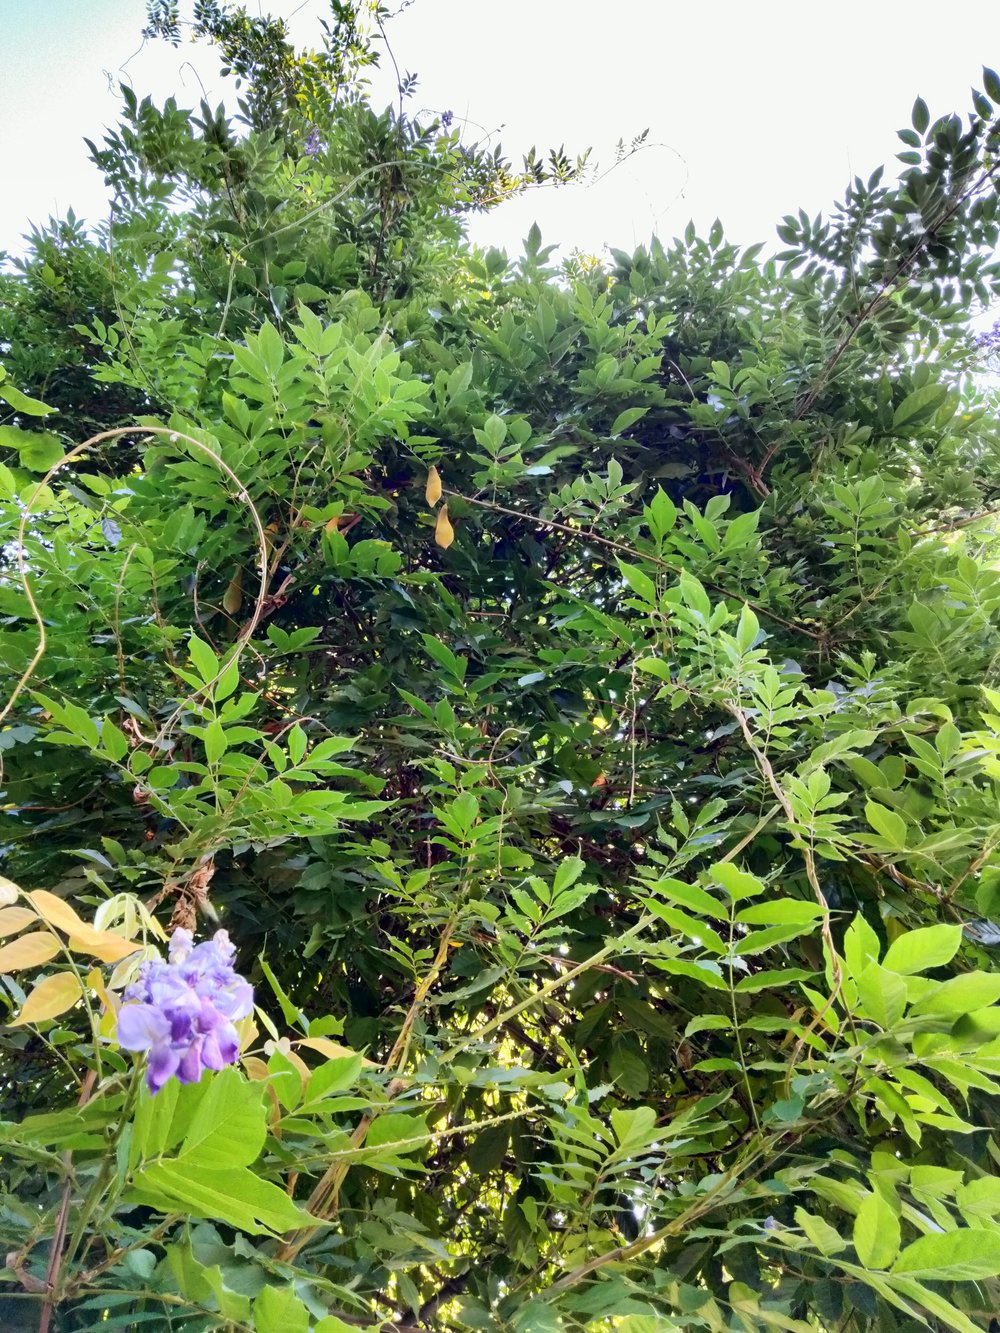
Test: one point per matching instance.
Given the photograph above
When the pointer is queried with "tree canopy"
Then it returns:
(571, 684)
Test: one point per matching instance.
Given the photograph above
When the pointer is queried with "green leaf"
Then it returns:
(960, 995)
(236, 1197)
(205, 661)
(737, 883)
(992, 84)
(935, 1303)
(782, 911)
(568, 872)
(627, 418)
(113, 741)
(825, 1238)
(920, 117)
(923, 948)
(886, 822)
(920, 405)
(20, 402)
(39, 449)
(279, 1310)
(216, 743)
(641, 584)
(757, 941)
(861, 946)
(691, 896)
(747, 630)
(876, 1232)
(488, 1149)
(686, 925)
(882, 995)
(959, 1256)
(228, 1128)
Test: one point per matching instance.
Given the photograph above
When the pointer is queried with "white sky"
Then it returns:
(754, 108)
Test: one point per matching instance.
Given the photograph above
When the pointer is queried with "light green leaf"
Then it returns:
(960, 995)
(886, 822)
(882, 995)
(935, 1303)
(216, 743)
(205, 661)
(825, 1238)
(923, 948)
(694, 929)
(40, 450)
(20, 402)
(691, 896)
(237, 1197)
(876, 1232)
(228, 1128)
(782, 911)
(279, 1310)
(961, 1256)
(737, 883)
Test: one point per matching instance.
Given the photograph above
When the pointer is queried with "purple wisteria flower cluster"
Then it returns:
(313, 143)
(182, 1013)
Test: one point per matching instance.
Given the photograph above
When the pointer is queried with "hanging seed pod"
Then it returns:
(444, 533)
(232, 599)
(433, 491)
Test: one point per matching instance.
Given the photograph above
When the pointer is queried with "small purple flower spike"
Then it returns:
(446, 118)
(313, 144)
(182, 1013)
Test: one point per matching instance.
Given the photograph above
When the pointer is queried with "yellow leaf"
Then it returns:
(296, 1060)
(332, 524)
(13, 919)
(444, 533)
(247, 1031)
(433, 492)
(96, 983)
(56, 912)
(232, 598)
(83, 938)
(9, 892)
(102, 944)
(256, 1069)
(29, 951)
(331, 1049)
(50, 998)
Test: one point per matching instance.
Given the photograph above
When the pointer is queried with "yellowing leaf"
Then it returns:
(96, 983)
(232, 598)
(332, 524)
(433, 491)
(9, 892)
(256, 1069)
(444, 533)
(50, 998)
(56, 912)
(331, 1049)
(83, 938)
(102, 944)
(13, 919)
(29, 951)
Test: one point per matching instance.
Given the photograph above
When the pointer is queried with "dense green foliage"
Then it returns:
(573, 689)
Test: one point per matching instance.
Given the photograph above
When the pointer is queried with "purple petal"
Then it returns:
(161, 1063)
(211, 1052)
(189, 1069)
(141, 1027)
